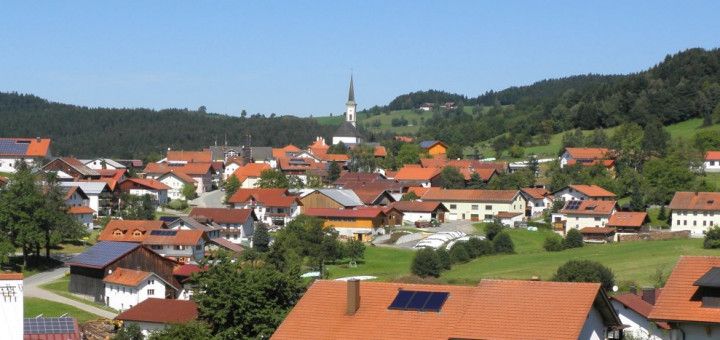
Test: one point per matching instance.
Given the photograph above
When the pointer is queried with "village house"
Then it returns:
(275, 207)
(329, 198)
(476, 205)
(712, 161)
(393, 188)
(632, 222)
(694, 211)
(206, 224)
(634, 308)
(255, 154)
(100, 198)
(84, 215)
(180, 245)
(156, 314)
(249, 174)
(202, 173)
(494, 309)
(129, 230)
(140, 187)
(89, 269)
(358, 223)
(583, 214)
(374, 196)
(11, 307)
(586, 156)
(485, 170)
(690, 300)
(185, 157)
(183, 274)
(177, 181)
(125, 288)
(584, 192)
(538, 200)
(29, 150)
(236, 225)
(425, 177)
(434, 147)
(103, 164)
(414, 211)
(71, 169)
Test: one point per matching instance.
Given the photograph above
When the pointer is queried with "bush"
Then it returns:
(459, 253)
(573, 239)
(712, 238)
(445, 259)
(492, 229)
(503, 244)
(178, 204)
(553, 243)
(426, 263)
(585, 271)
(484, 247)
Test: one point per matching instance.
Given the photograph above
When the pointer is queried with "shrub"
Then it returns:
(492, 229)
(553, 243)
(484, 247)
(712, 238)
(459, 253)
(573, 239)
(585, 271)
(178, 204)
(445, 259)
(426, 263)
(503, 243)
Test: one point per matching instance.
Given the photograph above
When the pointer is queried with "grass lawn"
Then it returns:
(77, 246)
(61, 287)
(34, 307)
(653, 215)
(384, 262)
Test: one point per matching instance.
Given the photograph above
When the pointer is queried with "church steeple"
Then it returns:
(350, 106)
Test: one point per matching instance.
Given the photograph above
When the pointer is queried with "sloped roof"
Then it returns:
(11, 276)
(127, 277)
(3, 179)
(591, 190)
(430, 143)
(417, 206)
(636, 303)
(107, 161)
(69, 191)
(148, 183)
(193, 223)
(24, 147)
(358, 177)
(224, 215)
(190, 156)
(712, 155)
(507, 214)
(269, 197)
(89, 188)
(536, 193)
(597, 230)
(495, 309)
(345, 197)
(475, 195)
(679, 300)
(227, 244)
(251, 170)
(60, 328)
(590, 207)
(180, 237)
(78, 166)
(103, 253)
(83, 209)
(179, 175)
(368, 212)
(587, 153)
(627, 219)
(188, 269)
(684, 200)
(369, 195)
(115, 174)
(127, 227)
(346, 129)
(161, 311)
(197, 169)
(416, 174)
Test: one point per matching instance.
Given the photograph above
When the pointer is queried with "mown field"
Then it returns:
(51, 309)
(632, 262)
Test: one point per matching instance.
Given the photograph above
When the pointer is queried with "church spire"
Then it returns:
(350, 106)
(351, 94)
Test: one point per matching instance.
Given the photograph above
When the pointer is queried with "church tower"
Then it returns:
(350, 106)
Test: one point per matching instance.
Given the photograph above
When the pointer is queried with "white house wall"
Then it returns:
(121, 297)
(712, 166)
(11, 311)
(413, 217)
(640, 327)
(176, 186)
(484, 210)
(582, 221)
(697, 221)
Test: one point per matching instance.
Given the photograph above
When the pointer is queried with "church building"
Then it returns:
(348, 133)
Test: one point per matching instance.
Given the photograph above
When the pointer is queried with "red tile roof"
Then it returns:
(592, 190)
(679, 301)
(68, 194)
(11, 276)
(636, 303)
(126, 277)
(161, 311)
(181, 237)
(536, 193)
(627, 219)
(127, 228)
(417, 206)
(188, 269)
(267, 197)
(227, 244)
(587, 153)
(369, 212)
(683, 200)
(224, 215)
(590, 208)
(605, 162)
(190, 156)
(181, 175)
(368, 195)
(712, 156)
(416, 174)
(83, 209)
(251, 170)
(495, 309)
(148, 183)
(197, 169)
(440, 194)
(36, 147)
(3, 179)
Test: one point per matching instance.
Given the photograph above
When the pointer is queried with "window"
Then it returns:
(453, 206)
(488, 207)
(597, 218)
(474, 207)
(151, 282)
(711, 223)
(684, 222)
(117, 232)
(179, 247)
(151, 291)
(198, 247)
(156, 247)
(137, 233)
(704, 223)
(694, 223)
(678, 222)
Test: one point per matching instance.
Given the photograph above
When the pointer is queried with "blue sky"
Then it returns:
(295, 57)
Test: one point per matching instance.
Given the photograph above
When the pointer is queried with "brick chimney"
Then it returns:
(648, 295)
(353, 296)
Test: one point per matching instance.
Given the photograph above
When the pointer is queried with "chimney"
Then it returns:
(633, 289)
(38, 139)
(648, 295)
(353, 296)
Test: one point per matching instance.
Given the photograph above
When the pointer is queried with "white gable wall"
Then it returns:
(640, 327)
(123, 297)
(697, 221)
(593, 329)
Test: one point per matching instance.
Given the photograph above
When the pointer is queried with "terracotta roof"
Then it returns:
(127, 228)
(495, 309)
(28, 147)
(190, 156)
(227, 244)
(198, 169)
(180, 175)
(605, 162)
(592, 190)
(251, 170)
(11, 276)
(283, 152)
(83, 209)
(627, 219)
(507, 214)
(587, 153)
(589, 208)
(358, 177)
(267, 197)
(286, 163)
(416, 174)
(404, 139)
(76, 164)
(680, 300)
(161, 311)
(70, 191)
(224, 215)
(369, 212)
(148, 183)
(636, 303)
(115, 174)
(684, 200)
(535, 192)
(712, 155)
(181, 237)
(440, 194)
(419, 191)
(126, 277)
(369, 195)
(597, 230)
(187, 269)
(417, 206)
(3, 179)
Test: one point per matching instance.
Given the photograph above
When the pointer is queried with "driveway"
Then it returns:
(212, 199)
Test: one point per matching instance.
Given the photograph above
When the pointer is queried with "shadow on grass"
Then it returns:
(34, 265)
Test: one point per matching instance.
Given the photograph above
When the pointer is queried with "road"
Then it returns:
(31, 288)
(212, 199)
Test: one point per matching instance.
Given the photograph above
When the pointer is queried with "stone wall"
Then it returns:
(652, 236)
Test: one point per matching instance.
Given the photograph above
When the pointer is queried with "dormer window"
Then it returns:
(137, 233)
(709, 291)
(117, 232)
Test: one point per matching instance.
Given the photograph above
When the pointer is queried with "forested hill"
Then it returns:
(125, 133)
(683, 86)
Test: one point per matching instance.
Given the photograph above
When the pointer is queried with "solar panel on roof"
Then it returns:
(419, 301)
(573, 205)
(163, 232)
(49, 326)
(402, 299)
(11, 147)
(103, 253)
(436, 301)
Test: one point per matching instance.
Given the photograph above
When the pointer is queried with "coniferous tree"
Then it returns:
(261, 238)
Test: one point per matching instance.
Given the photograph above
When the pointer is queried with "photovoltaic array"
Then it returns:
(419, 301)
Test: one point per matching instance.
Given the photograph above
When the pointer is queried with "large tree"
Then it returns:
(231, 186)
(451, 178)
(273, 179)
(585, 271)
(362, 158)
(21, 204)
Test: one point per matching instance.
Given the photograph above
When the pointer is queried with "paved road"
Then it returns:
(212, 199)
(31, 288)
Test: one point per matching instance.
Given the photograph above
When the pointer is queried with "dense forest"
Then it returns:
(126, 133)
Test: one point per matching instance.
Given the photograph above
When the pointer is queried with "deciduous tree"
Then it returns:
(585, 271)
(426, 263)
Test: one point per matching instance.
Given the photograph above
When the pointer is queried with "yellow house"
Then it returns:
(358, 223)
(434, 147)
